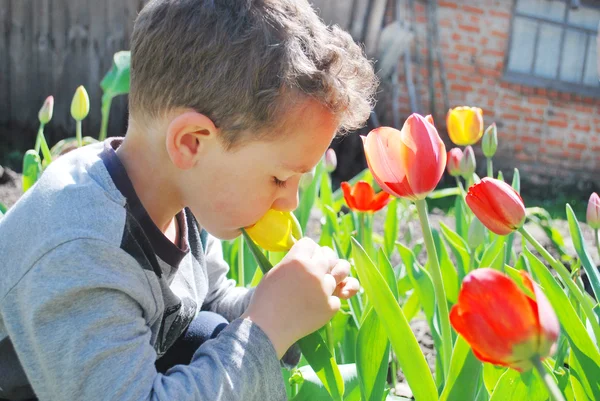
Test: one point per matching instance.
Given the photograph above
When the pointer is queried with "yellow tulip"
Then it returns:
(80, 106)
(465, 125)
(276, 231)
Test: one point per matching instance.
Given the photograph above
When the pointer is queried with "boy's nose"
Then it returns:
(287, 202)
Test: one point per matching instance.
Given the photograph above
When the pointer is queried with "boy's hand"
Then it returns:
(300, 294)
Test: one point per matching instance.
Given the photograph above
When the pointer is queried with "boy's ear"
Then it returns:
(187, 136)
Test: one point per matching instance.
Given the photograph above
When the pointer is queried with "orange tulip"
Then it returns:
(593, 211)
(361, 197)
(465, 125)
(453, 163)
(407, 163)
(502, 323)
(499, 207)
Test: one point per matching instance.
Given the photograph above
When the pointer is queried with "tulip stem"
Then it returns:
(240, 264)
(565, 278)
(490, 167)
(41, 142)
(330, 338)
(438, 284)
(460, 187)
(553, 389)
(78, 133)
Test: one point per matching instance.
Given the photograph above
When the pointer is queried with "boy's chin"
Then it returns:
(225, 234)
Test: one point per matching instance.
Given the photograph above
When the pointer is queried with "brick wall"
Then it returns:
(553, 138)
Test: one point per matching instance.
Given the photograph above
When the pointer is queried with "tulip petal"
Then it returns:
(363, 195)
(505, 201)
(454, 122)
(380, 200)
(347, 190)
(423, 155)
(474, 125)
(383, 163)
(479, 204)
(548, 321)
(274, 231)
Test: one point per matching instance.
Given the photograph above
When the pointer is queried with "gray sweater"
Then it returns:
(92, 293)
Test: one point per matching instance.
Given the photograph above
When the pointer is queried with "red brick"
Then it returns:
(475, 79)
(422, 20)
(517, 107)
(554, 142)
(596, 149)
(511, 117)
(541, 91)
(534, 120)
(474, 10)
(447, 4)
(461, 67)
(584, 109)
(558, 123)
(584, 128)
(538, 100)
(500, 34)
(501, 14)
(456, 36)
(578, 146)
(462, 88)
(490, 52)
(528, 90)
(467, 28)
(565, 96)
(463, 48)
(531, 139)
(490, 72)
(484, 41)
(519, 147)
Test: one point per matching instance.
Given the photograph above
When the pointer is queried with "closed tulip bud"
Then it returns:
(476, 234)
(489, 143)
(467, 163)
(407, 163)
(593, 211)
(80, 106)
(276, 231)
(330, 160)
(465, 125)
(361, 197)
(45, 113)
(455, 155)
(504, 325)
(497, 205)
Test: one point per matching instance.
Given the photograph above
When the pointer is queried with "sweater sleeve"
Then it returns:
(80, 320)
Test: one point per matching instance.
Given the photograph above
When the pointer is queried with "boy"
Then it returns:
(112, 271)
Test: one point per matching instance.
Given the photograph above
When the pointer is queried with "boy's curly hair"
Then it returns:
(243, 63)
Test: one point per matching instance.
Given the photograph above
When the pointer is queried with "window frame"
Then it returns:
(530, 79)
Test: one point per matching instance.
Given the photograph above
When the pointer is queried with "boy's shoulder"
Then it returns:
(74, 199)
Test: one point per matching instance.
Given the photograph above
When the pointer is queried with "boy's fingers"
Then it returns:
(329, 284)
(347, 288)
(329, 253)
(304, 248)
(334, 303)
(340, 270)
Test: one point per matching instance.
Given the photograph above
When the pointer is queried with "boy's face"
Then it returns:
(234, 189)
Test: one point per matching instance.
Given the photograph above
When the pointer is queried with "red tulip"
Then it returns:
(499, 207)
(502, 323)
(407, 163)
(593, 211)
(453, 163)
(361, 197)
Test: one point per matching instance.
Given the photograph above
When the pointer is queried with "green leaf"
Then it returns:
(492, 251)
(116, 81)
(516, 180)
(391, 227)
(372, 357)
(312, 388)
(461, 217)
(3, 209)
(491, 375)
(582, 347)
(410, 357)
(460, 249)
(465, 369)
(420, 279)
(449, 275)
(515, 386)
(412, 306)
(325, 193)
(387, 271)
(32, 169)
(584, 256)
(444, 193)
(308, 198)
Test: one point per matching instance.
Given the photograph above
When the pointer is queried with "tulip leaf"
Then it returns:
(491, 375)
(449, 275)
(404, 285)
(387, 271)
(492, 251)
(312, 388)
(461, 217)
(515, 386)
(313, 347)
(420, 279)
(444, 193)
(308, 198)
(32, 169)
(410, 357)
(582, 347)
(584, 256)
(116, 81)
(460, 249)
(372, 357)
(411, 306)
(325, 192)
(391, 227)
(465, 369)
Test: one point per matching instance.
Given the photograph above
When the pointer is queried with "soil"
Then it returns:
(10, 186)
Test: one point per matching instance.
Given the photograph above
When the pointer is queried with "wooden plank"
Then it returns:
(359, 15)
(20, 55)
(5, 13)
(337, 12)
(374, 26)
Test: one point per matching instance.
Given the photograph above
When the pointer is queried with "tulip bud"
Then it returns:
(502, 324)
(467, 163)
(476, 234)
(455, 155)
(330, 160)
(497, 205)
(80, 106)
(306, 179)
(45, 113)
(489, 143)
(465, 125)
(593, 211)
(276, 231)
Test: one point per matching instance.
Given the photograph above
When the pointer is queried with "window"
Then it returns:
(553, 45)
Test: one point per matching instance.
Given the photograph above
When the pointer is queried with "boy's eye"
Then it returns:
(279, 183)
